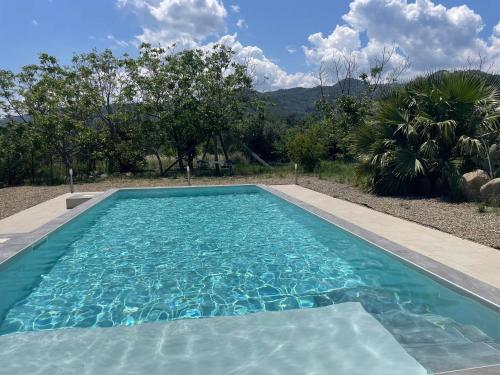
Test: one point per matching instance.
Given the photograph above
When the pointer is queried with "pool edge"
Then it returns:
(458, 281)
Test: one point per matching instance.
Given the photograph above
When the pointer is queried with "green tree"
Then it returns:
(225, 89)
(306, 146)
(261, 132)
(45, 97)
(151, 90)
(107, 87)
(187, 127)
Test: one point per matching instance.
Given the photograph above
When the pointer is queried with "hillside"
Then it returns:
(300, 101)
(297, 102)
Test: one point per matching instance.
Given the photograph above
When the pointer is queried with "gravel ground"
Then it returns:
(462, 220)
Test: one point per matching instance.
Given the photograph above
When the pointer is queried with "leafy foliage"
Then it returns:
(118, 110)
(306, 146)
(428, 132)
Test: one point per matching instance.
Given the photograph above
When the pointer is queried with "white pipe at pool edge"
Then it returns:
(71, 189)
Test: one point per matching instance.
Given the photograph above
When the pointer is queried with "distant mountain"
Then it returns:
(299, 102)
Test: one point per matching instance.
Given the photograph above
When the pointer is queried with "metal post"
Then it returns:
(189, 175)
(296, 176)
(71, 189)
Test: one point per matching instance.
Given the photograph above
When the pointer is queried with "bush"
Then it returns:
(306, 146)
(436, 127)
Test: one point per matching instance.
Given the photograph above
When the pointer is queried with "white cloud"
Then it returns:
(188, 23)
(117, 42)
(34, 22)
(266, 73)
(430, 35)
(185, 22)
(242, 24)
(342, 39)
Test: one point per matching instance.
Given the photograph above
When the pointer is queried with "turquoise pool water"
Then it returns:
(166, 254)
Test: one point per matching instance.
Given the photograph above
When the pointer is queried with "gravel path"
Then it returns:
(462, 220)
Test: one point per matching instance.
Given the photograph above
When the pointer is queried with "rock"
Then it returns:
(471, 184)
(104, 175)
(490, 192)
(129, 174)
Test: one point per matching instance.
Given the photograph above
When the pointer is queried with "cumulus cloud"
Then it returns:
(342, 39)
(185, 22)
(430, 35)
(188, 24)
(266, 73)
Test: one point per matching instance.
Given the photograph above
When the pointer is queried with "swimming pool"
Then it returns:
(146, 255)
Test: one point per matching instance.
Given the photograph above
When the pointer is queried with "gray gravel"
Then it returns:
(460, 219)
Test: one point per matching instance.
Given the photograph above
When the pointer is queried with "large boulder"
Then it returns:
(471, 184)
(490, 192)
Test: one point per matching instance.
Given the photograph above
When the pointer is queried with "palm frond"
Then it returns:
(469, 146)
(406, 164)
(429, 148)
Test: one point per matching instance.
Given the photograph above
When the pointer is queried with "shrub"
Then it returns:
(435, 127)
(306, 146)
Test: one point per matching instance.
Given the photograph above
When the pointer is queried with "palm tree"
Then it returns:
(429, 131)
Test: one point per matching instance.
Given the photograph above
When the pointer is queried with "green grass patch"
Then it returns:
(341, 171)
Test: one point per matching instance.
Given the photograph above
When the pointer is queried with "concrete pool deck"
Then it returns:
(478, 261)
(34, 217)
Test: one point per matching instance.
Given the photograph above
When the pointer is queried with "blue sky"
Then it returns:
(280, 38)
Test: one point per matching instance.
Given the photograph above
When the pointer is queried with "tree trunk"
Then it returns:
(191, 155)
(160, 165)
(32, 166)
(226, 156)
(111, 165)
(216, 156)
(206, 147)
(51, 170)
(255, 156)
(179, 157)
(171, 166)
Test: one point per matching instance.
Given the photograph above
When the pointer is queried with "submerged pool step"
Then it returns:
(339, 339)
(455, 356)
